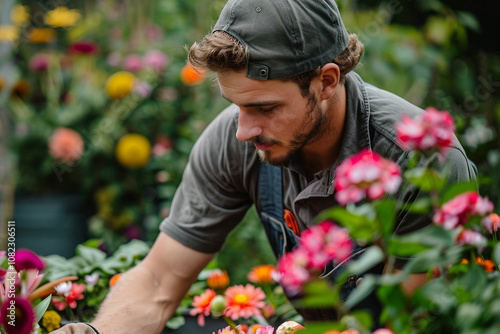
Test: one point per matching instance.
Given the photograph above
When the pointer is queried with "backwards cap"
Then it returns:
(285, 37)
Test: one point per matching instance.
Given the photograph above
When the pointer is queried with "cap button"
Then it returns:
(263, 72)
(258, 9)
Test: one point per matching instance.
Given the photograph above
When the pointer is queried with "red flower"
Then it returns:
(70, 297)
(84, 47)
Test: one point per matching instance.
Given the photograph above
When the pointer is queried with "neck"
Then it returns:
(323, 152)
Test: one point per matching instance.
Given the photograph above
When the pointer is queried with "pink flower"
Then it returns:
(228, 330)
(292, 272)
(365, 174)
(114, 59)
(40, 62)
(471, 237)
(383, 331)
(433, 130)
(201, 305)
(156, 60)
(460, 209)
(66, 145)
(26, 260)
(132, 63)
(142, 88)
(84, 47)
(265, 330)
(17, 312)
(324, 243)
(244, 301)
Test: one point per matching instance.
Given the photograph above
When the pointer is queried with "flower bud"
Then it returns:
(217, 305)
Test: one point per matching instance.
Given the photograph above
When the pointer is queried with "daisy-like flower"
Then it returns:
(265, 330)
(365, 174)
(461, 208)
(70, 297)
(431, 131)
(218, 279)
(228, 330)
(244, 301)
(262, 274)
(201, 305)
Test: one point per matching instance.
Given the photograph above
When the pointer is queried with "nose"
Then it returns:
(248, 126)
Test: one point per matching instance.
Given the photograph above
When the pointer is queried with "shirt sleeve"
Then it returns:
(212, 197)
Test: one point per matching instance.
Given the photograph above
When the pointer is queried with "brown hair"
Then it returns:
(219, 52)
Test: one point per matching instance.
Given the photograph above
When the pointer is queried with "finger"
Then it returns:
(74, 329)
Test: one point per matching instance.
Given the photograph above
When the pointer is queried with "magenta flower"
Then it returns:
(471, 237)
(40, 62)
(132, 63)
(26, 260)
(433, 130)
(460, 209)
(156, 60)
(84, 47)
(365, 174)
(17, 316)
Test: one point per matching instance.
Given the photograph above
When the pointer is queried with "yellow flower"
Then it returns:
(120, 84)
(133, 150)
(62, 17)
(51, 321)
(20, 15)
(9, 33)
(41, 35)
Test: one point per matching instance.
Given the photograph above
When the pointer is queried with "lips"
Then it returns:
(263, 147)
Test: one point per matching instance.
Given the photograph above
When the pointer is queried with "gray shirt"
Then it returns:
(220, 181)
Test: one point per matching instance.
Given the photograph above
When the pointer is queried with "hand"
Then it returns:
(77, 328)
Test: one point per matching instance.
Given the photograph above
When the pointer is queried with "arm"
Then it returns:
(148, 295)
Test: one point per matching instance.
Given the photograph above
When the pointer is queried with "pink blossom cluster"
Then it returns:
(319, 245)
(153, 59)
(433, 130)
(460, 209)
(366, 174)
(471, 237)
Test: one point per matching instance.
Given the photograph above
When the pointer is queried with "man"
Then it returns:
(297, 107)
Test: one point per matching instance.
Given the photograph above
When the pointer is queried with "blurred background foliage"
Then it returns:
(431, 52)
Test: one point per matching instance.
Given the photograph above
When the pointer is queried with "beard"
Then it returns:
(315, 125)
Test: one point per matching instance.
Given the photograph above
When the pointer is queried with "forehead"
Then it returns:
(241, 90)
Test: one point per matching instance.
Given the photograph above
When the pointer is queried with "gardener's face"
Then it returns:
(274, 115)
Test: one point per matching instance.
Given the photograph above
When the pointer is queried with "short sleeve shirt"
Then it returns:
(220, 181)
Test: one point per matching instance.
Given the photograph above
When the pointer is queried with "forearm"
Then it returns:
(138, 304)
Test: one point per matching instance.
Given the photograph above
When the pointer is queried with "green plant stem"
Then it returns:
(229, 322)
(270, 295)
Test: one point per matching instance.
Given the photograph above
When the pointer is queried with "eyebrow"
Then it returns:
(254, 104)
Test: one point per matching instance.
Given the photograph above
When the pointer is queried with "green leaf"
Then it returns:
(364, 318)
(369, 259)
(176, 322)
(319, 293)
(366, 286)
(426, 179)
(41, 307)
(386, 212)
(457, 189)
(432, 236)
(320, 327)
(90, 255)
(360, 228)
(420, 206)
(469, 20)
(496, 253)
(405, 249)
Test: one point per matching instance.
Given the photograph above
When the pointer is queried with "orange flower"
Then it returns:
(244, 301)
(201, 305)
(218, 280)
(66, 145)
(261, 274)
(114, 279)
(21, 89)
(41, 35)
(191, 76)
(488, 265)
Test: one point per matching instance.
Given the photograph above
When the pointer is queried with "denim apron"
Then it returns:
(282, 239)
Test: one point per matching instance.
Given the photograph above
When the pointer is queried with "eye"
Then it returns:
(267, 109)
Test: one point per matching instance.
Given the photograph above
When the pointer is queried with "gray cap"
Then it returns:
(285, 37)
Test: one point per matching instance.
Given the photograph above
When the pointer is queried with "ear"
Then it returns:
(330, 78)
